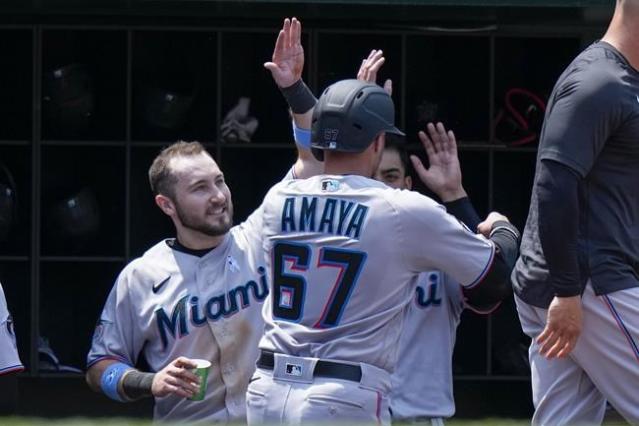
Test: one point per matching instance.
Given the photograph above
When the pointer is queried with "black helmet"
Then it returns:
(68, 99)
(349, 115)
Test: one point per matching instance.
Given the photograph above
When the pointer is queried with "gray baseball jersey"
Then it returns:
(9, 359)
(345, 253)
(169, 303)
(423, 377)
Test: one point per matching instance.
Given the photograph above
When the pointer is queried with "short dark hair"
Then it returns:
(396, 143)
(161, 177)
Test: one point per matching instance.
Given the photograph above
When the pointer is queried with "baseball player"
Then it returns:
(344, 254)
(9, 360)
(439, 299)
(425, 393)
(196, 296)
(577, 280)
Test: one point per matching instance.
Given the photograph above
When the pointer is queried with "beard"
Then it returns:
(220, 227)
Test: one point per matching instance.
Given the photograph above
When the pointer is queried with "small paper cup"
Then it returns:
(202, 371)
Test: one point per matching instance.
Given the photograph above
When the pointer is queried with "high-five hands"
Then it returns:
(287, 62)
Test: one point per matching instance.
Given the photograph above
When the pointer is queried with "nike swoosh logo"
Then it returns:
(159, 285)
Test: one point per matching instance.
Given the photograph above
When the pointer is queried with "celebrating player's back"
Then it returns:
(345, 252)
(342, 252)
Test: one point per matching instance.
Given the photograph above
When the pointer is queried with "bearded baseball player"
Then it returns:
(196, 296)
(9, 360)
(340, 283)
(577, 280)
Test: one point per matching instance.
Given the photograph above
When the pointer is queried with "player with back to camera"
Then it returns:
(577, 280)
(428, 337)
(345, 252)
(196, 296)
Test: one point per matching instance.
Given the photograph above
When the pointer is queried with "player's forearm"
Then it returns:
(464, 211)
(130, 385)
(557, 193)
(94, 373)
(302, 102)
(496, 283)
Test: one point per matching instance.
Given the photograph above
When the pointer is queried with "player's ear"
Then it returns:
(408, 182)
(380, 142)
(165, 204)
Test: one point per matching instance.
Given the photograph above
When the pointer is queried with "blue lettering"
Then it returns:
(307, 214)
(357, 221)
(432, 299)
(328, 215)
(178, 320)
(345, 208)
(195, 314)
(288, 215)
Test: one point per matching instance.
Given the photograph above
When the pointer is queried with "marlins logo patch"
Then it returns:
(98, 333)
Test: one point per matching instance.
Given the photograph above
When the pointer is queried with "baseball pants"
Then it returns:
(603, 366)
(296, 390)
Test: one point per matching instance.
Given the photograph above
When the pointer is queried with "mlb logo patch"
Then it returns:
(286, 298)
(330, 185)
(293, 370)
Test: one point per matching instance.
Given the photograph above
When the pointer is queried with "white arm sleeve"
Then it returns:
(433, 239)
(9, 359)
(117, 335)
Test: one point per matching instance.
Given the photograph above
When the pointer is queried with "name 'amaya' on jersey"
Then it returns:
(344, 253)
(326, 216)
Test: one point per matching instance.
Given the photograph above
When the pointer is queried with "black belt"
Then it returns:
(335, 370)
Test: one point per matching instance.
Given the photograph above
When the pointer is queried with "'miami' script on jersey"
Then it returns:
(343, 254)
(169, 303)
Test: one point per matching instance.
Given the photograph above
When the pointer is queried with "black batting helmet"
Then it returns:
(349, 115)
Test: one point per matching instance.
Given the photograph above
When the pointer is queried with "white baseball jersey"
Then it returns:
(169, 303)
(423, 377)
(9, 359)
(345, 253)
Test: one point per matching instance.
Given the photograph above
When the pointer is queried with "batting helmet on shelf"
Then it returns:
(74, 217)
(349, 115)
(68, 98)
(8, 202)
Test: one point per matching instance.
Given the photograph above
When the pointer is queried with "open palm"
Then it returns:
(287, 62)
(443, 177)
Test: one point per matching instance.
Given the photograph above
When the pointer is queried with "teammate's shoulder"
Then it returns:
(156, 261)
(597, 68)
(408, 198)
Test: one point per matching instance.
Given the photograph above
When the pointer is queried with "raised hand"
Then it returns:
(369, 68)
(443, 177)
(176, 378)
(287, 63)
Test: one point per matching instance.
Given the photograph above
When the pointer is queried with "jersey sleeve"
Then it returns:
(586, 109)
(9, 359)
(433, 239)
(116, 335)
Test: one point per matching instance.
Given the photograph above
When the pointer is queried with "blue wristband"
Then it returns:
(302, 137)
(111, 378)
